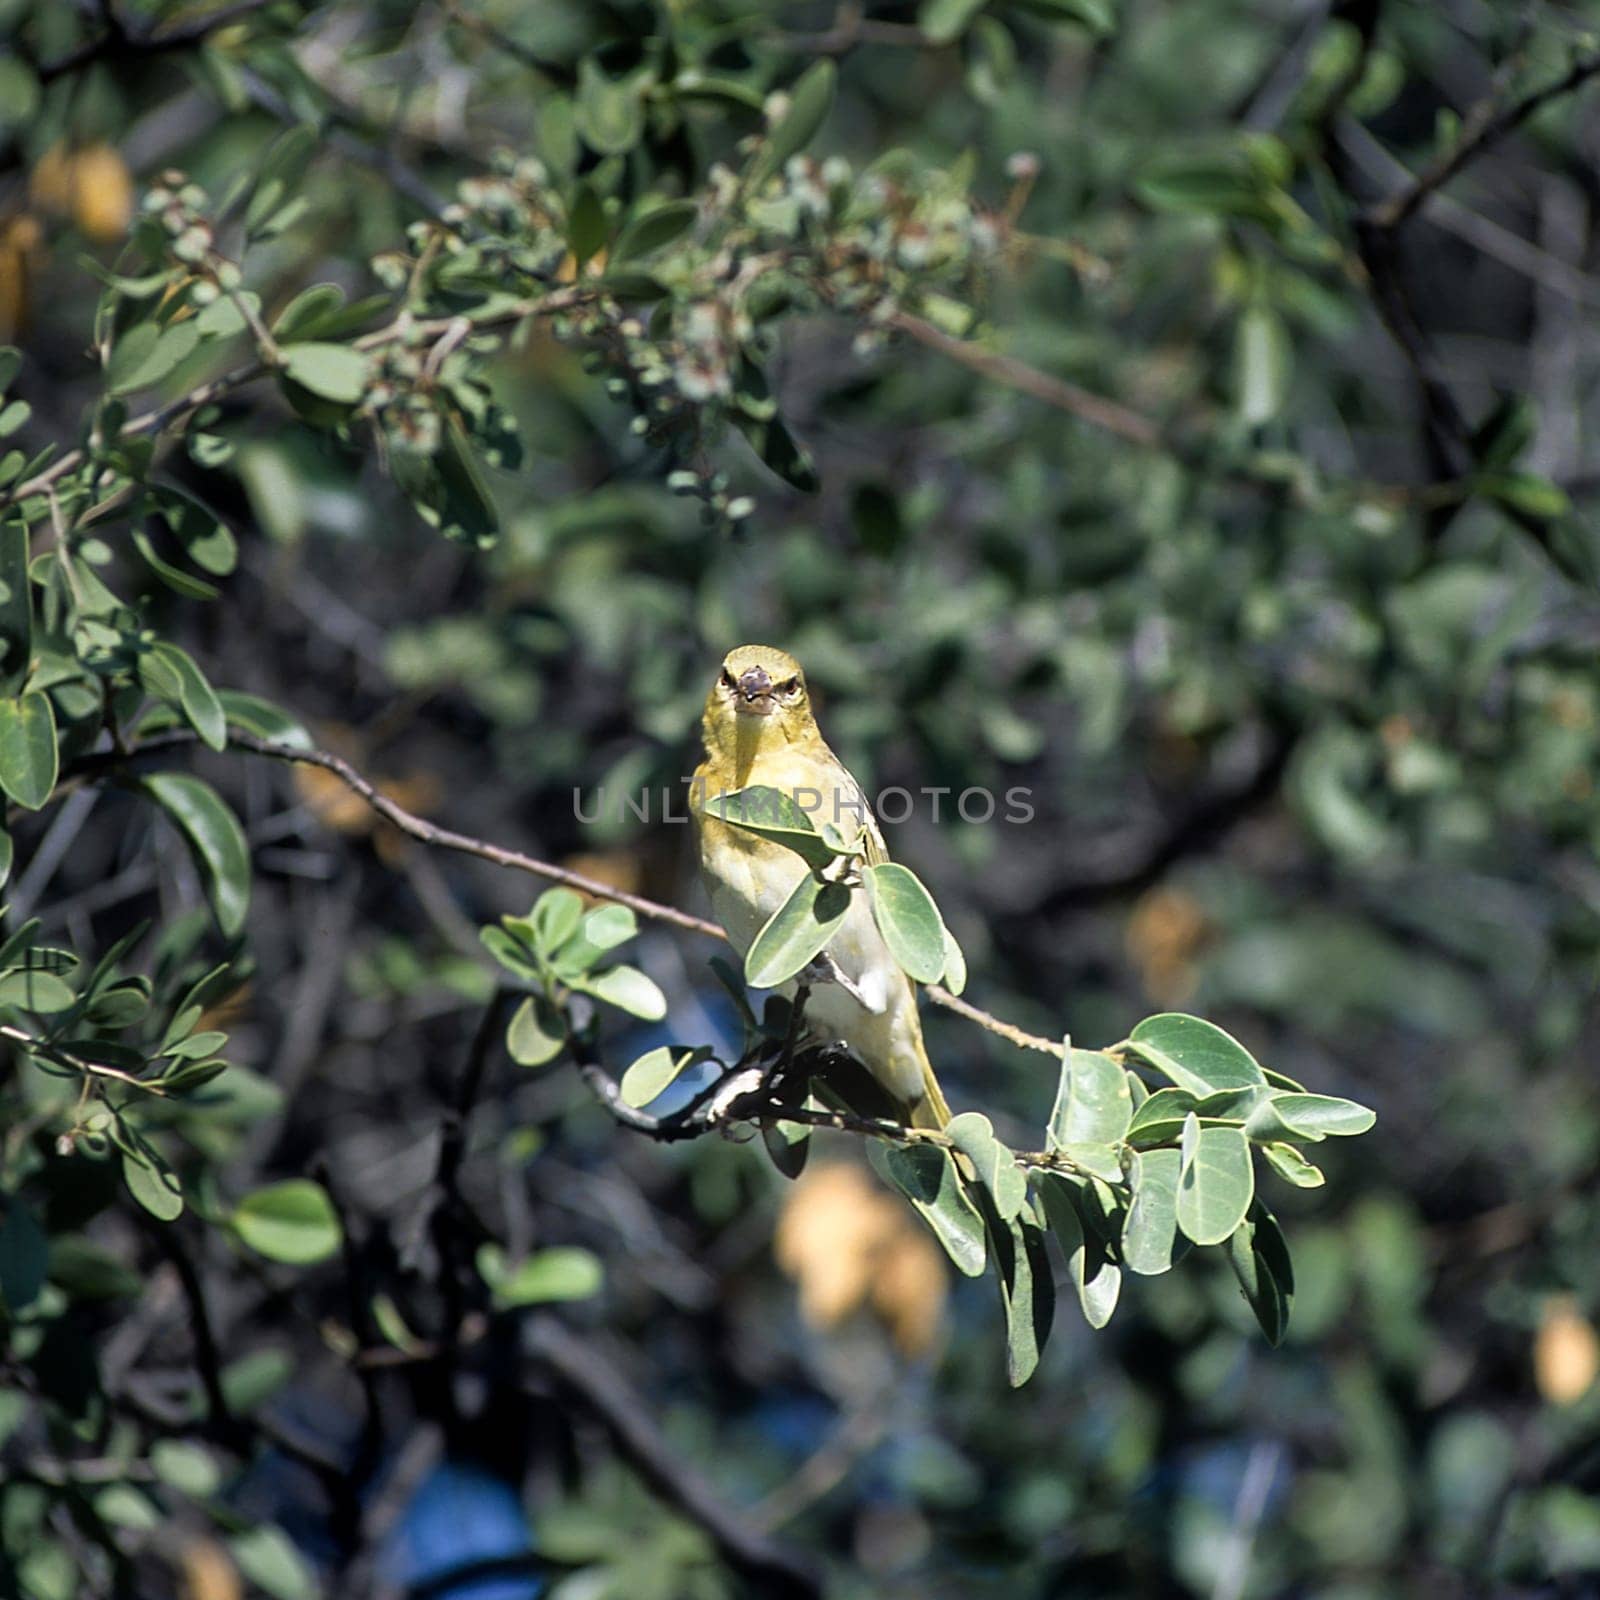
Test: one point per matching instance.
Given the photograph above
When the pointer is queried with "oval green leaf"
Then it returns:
(926, 1175)
(1094, 1104)
(535, 1033)
(28, 749)
(629, 990)
(293, 1221)
(216, 838)
(334, 371)
(908, 920)
(1216, 1182)
(796, 932)
(1197, 1055)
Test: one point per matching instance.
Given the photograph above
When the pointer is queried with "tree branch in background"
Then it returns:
(1483, 128)
(121, 41)
(773, 1572)
(1089, 407)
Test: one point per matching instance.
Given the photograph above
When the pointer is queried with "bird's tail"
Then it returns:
(932, 1110)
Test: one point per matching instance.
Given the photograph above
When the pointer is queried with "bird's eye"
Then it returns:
(727, 679)
(791, 687)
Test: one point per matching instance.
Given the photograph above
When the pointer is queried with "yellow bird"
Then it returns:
(759, 729)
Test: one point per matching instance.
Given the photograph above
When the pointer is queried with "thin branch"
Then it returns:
(771, 1570)
(1483, 128)
(1014, 374)
(557, 303)
(120, 42)
(429, 833)
(1005, 1030)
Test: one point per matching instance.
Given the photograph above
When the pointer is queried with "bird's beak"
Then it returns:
(754, 694)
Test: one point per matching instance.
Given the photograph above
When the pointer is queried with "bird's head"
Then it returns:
(759, 698)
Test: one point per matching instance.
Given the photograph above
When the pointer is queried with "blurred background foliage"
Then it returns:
(1294, 652)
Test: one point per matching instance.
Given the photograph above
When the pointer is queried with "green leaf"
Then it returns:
(783, 454)
(1259, 1257)
(175, 578)
(189, 1468)
(1151, 1227)
(607, 926)
(608, 112)
(629, 990)
(40, 992)
(946, 20)
(955, 965)
(1027, 1291)
(263, 719)
(511, 951)
(269, 1559)
(1262, 360)
(1099, 16)
(158, 1192)
(1215, 184)
(926, 1175)
(19, 94)
(302, 317)
(293, 1221)
(653, 230)
(24, 1256)
(334, 371)
(536, 1032)
(810, 101)
(16, 607)
(1317, 1116)
(973, 1135)
(216, 838)
(28, 749)
(1093, 1102)
(1159, 1119)
(205, 537)
(586, 225)
(1095, 1276)
(555, 918)
(655, 1071)
(796, 932)
(195, 697)
(1216, 1182)
(147, 354)
(1289, 1164)
(788, 1144)
(278, 178)
(1197, 1055)
(6, 850)
(772, 814)
(908, 920)
(563, 1273)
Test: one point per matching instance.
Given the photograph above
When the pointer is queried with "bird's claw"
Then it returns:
(824, 969)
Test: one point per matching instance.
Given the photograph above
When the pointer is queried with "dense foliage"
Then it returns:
(1171, 414)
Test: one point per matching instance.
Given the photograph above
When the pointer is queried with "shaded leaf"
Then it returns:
(216, 838)
(972, 1134)
(1259, 1257)
(796, 932)
(1151, 1227)
(926, 1175)
(908, 920)
(536, 1032)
